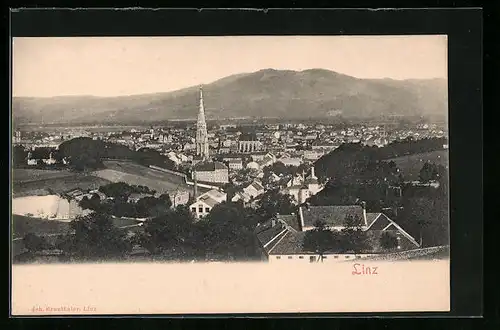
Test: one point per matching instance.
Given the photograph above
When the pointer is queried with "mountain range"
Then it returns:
(268, 93)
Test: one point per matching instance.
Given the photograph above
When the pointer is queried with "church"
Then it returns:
(204, 169)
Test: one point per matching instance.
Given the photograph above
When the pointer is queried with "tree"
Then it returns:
(152, 207)
(353, 238)
(231, 228)
(321, 240)
(279, 168)
(166, 199)
(274, 202)
(42, 153)
(168, 231)
(19, 156)
(388, 241)
(83, 153)
(93, 203)
(428, 172)
(34, 243)
(427, 218)
(117, 190)
(96, 238)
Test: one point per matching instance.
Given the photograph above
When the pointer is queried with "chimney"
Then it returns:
(301, 218)
(312, 173)
(363, 205)
(195, 187)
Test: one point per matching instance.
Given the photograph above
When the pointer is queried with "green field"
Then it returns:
(57, 185)
(22, 225)
(135, 174)
(28, 182)
(28, 175)
(412, 164)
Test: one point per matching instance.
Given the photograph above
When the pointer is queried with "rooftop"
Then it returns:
(332, 216)
(210, 166)
(248, 137)
(290, 220)
(208, 200)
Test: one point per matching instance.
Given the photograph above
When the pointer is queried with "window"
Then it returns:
(301, 257)
(200, 209)
(312, 259)
(358, 257)
(278, 257)
(325, 257)
(290, 257)
(347, 257)
(193, 209)
(335, 257)
(207, 209)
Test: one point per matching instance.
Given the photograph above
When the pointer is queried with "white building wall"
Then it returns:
(314, 258)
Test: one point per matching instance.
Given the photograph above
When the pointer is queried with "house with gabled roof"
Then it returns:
(254, 189)
(206, 202)
(282, 237)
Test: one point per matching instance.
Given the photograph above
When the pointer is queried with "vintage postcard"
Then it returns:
(244, 174)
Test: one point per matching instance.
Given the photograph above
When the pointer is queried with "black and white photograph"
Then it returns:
(225, 163)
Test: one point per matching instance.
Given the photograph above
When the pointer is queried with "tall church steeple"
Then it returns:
(201, 131)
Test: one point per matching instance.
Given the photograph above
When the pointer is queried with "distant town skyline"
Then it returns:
(116, 66)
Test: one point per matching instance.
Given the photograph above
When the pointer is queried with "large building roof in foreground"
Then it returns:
(332, 216)
(282, 236)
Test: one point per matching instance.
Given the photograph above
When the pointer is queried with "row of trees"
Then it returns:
(227, 233)
(85, 153)
(338, 162)
(119, 205)
(421, 210)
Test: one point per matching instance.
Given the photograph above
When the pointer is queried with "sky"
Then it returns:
(113, 66)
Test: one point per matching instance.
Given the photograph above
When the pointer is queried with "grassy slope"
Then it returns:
(22, 225)
(412, 164)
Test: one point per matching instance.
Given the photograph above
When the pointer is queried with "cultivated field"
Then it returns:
(57, 185)
(28, 175)
(412, 164)
(135, 174)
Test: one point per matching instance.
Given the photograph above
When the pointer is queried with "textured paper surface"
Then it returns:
(229, 288)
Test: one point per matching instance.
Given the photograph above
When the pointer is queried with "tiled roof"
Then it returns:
(333, 216)
(257, 186)
(290, 220)
(292, 243)
(215, 194)
(210, 166)
(384, 222)
(311, 180)
(208, 200)
(268, 234)
(381, 221)
(370, 217)
(248, 137)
